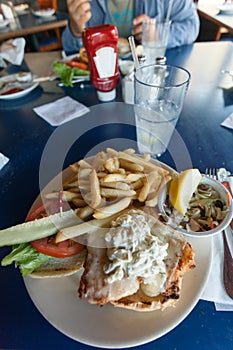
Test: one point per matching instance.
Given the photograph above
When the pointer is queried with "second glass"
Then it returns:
(155, 35)
(160, 91)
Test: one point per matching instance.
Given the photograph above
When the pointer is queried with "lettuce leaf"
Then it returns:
(25, 257)
(67, 73)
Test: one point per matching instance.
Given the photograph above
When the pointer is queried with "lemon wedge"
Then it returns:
(182, 188)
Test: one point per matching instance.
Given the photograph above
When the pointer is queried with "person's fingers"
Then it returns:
(80, 14)
(137, 26)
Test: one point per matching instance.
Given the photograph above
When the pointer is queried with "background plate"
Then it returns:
(226, 9)
(43, 13)
(19, 93)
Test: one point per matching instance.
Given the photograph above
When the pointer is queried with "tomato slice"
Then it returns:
(58, 250)
(48, 245)
(76, 64)
(50, 207)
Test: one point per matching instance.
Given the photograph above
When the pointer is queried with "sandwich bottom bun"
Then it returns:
(60, 267)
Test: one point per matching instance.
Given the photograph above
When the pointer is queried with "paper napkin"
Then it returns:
(3, 160)
(214, 290)
(61, 111)
(228, 122)
(13, 50)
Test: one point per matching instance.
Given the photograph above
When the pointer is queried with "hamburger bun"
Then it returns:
(60, 267)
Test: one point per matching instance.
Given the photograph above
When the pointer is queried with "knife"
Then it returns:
(223, 176)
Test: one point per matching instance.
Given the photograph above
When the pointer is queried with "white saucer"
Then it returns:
(44, 13)
(4, 23)
(226, 9)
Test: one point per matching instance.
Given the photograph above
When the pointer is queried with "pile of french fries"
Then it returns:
(103, 186)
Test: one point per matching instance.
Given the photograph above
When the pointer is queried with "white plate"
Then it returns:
(43, 13)
(226, 9)
(4, 23)
(21, 93)
(107, 326)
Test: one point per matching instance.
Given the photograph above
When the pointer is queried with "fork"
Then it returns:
(228, 260)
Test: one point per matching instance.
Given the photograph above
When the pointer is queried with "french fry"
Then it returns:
(121, 171)
(84, 173)
(84, 164)
(111, 192)
(139, 160)
(85, 212)
(147, 157)
(112, 152)
(131, 166)
(114, 178)
(112, 165)
(73, 190)
(101, 174)
(112, 209)
(66, 196)
(69, 185)
(152, 200)
(74, 167)
(129, 151)
(71, 179)
(134, 177)
(84, 185)
(117, 185)
(94, 189)
(144, 191)
(137, 184)
(78, 202)
(81, 229)
(99, 160)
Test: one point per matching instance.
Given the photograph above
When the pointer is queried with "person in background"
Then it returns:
(128, 16)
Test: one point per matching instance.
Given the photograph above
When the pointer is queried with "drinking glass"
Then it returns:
(154, 38)
(159, 96)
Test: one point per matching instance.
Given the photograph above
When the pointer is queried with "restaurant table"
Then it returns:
(23, 137)
(27, 23)
(210, 12)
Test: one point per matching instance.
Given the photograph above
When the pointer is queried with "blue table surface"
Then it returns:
(23, 137)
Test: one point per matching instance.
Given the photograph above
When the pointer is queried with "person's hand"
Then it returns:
(137, 26)
(79, 15)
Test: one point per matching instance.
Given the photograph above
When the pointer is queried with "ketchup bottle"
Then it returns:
(101, 45)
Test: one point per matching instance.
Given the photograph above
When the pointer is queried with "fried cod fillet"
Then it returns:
(171, 256)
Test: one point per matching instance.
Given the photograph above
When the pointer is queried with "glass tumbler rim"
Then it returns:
(139, 80)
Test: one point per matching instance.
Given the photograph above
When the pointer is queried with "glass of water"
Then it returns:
(160, 91)
(155, 35)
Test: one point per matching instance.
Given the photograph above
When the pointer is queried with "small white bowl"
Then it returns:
(223, 194)
(24, 77)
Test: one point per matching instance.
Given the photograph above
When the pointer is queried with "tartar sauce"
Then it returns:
(134, 251)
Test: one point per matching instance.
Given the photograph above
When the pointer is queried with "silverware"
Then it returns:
(26, 83)
(227, 268)
(221, 175)
(75, 81)
(46, 78)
